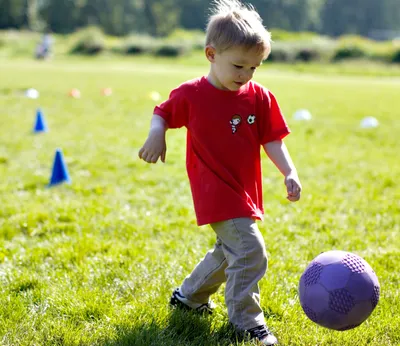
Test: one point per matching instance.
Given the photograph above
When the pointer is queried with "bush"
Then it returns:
(171, 50)
(135, 45)
(143, 44)
(186, 35)
(281, 53)
(19, 43)
(195, 39)
(349, 52)
(283, 35)
(396, 56)
(308, 54)
(89, 41)
(353, 47)
(135, 49)
(305, 51)
(357, 47)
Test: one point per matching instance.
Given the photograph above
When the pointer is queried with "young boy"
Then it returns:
(228, 118)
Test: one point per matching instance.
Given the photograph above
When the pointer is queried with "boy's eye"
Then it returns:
(254, 68)
(237, 66)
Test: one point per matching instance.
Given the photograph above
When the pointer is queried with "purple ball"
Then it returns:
(338, 290)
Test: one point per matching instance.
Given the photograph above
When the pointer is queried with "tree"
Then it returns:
(291, 15)
(61, 15)
(194, 14)
(162, 16)
(359, 16)
(13, 14)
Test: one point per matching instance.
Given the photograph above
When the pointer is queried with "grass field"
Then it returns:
(94, 262)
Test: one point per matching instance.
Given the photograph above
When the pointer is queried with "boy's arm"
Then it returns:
(155, 146)
(279, 155)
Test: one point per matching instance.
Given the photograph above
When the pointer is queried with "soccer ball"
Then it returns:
(338, 290)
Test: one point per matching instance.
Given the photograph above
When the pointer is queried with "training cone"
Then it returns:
(302, 115)
(106, 92)
(32, 93)
(60, 172)
(75, 93)
(40, 124)
(369, 122)
(155, 96)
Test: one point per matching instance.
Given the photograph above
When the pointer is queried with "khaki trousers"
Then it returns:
(238, 258)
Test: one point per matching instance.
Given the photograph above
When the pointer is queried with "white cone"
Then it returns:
(155, 96)
(302, 114)
(369, 122)
(32, 93)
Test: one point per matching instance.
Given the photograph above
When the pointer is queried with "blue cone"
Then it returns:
(40, 124)
(60, 172)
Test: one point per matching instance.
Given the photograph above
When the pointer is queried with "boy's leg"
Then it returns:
(244, 249)
(206, 277)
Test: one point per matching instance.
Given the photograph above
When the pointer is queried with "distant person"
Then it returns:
(228, 118)
(44, 48)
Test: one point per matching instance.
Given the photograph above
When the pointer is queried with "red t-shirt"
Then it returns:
(225, 131)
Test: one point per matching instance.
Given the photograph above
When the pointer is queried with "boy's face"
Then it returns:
(233, 67)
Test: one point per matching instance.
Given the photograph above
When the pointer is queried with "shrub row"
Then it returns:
(91, 41)
(287, 48)
(336, 51)
(135, 45)
(308, 48)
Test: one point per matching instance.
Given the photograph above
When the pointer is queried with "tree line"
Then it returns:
(160, 17)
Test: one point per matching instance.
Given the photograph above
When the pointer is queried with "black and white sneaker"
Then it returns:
(263, 335)
(179, 300)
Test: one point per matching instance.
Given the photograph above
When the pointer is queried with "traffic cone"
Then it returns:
(40, 124)
(60, 172)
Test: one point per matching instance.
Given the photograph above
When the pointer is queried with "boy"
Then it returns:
(228, 118)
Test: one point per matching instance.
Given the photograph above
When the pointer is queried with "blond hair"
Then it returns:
(234, 24)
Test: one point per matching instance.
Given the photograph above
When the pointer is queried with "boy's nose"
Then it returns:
(246, 75)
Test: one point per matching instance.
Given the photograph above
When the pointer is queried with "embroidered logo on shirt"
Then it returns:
(235, 122)
(251, 119)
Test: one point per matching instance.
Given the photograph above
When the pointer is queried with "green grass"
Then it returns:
(94, 262)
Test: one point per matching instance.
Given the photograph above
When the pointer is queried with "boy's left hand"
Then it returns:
(293, 187)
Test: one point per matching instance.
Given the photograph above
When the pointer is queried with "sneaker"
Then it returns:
(263, 335)
(179, 300)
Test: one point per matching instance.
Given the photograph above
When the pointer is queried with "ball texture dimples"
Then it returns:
(312, 274)
(341, 301)
(354, 263)
(338, 290)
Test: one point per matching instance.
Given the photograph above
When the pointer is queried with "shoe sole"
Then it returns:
(176, 303)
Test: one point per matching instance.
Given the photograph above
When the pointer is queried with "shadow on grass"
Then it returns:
(181, 328)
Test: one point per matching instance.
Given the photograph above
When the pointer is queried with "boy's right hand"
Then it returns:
(155, 147)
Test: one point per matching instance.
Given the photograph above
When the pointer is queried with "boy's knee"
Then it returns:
(259, 256)
(264, 260)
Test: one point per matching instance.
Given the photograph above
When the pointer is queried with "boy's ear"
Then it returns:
(210, 53)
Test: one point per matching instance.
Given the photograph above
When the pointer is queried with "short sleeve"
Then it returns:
(273, 125)
(174, 110)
